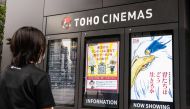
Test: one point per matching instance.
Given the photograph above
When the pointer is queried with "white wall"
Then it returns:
(20, 13)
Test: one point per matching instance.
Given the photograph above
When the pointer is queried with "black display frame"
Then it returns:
(176, 75)
(107, 39)
(67, 36)
(98, 34)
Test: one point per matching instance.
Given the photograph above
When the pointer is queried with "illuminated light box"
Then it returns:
(102, 66)
(151, 80)
(102, 74)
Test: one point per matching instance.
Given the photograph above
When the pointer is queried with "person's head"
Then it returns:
(27, 46)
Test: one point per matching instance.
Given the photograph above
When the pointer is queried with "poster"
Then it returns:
(152, 72)
(102, 75)
(102, 66)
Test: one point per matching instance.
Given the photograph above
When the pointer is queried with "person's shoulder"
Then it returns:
(34, 69)
(36, 73)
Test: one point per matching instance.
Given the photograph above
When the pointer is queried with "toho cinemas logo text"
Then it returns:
(125, 16)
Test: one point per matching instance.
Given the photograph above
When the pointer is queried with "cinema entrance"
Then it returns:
(125, 57)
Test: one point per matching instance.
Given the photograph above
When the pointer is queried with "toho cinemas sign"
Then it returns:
(147, 13)
(107, 18)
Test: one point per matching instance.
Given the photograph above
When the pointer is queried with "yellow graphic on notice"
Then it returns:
(138, 65)
(102, 59)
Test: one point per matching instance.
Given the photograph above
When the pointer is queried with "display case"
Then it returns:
(153, 67)
(101, 73)
(132, 54)
(62, 61)
(101, 70)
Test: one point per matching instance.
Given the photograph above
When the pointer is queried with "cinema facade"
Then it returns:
(125, 54)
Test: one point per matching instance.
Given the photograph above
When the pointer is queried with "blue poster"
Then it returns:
(152, 68)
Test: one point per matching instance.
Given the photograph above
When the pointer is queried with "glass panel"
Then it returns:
(151, 70)
(62, 55)
(101, 75)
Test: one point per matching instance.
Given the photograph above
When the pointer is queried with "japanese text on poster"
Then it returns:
(102, 63)
(152, 68)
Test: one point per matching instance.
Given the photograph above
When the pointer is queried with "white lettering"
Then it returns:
(110, 18)
(96, 20)
(82, 21)
(139, 105)
(89, 21)
(132, 16)
(157, 106)
(123, 16)
(103, 19)
(76, 21)
(140, 15)
(149, 13)
(116, 17)
(101, 101)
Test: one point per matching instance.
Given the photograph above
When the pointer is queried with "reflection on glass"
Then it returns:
(102, 75)
(62, 68)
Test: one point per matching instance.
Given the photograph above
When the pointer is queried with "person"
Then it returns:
(22, 84)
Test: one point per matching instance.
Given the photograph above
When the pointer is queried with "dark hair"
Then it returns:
(27, 45)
